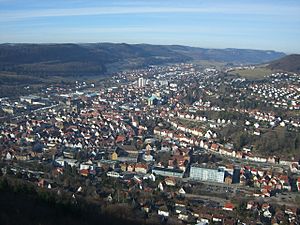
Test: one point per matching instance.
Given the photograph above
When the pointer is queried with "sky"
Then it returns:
(250, 24)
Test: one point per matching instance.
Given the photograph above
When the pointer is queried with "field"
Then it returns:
(209, 63)
(253, 74)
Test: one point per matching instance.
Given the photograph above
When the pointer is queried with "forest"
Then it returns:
(24, 203)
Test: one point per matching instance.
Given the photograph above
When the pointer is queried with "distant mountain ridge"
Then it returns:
(290, 63)
(103, 58)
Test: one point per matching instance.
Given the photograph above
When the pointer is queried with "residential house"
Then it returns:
(228, 206)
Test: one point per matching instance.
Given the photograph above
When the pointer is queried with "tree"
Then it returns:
(37, 147)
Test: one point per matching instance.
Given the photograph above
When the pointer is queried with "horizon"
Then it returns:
(83, 43)
(268, 25)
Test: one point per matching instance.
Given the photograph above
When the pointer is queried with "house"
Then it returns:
(202, 223)
(265, 206)
(106, 164)
(120, 138)
(141, 168)
(87, 165)
(267, 214)
(291, 212)
(8, 156)
(228, 179)
(204, 218)
(239, 155)
(294, 167)
(22, 157)
(123, 167)
(183, 215)
(181, 191)
(217, 218)
(163, 211)
(286, 186)
(45, 183)
(214, 147)
(137, 180)
(256, 132)
(178, 161)
(84, 172)
(113, 174)
(266, 191)
(228, 206)
(109, 198)
(149, 176)
(271, 159)
(114, 156)
(130, 168)
(160, 186)
(61, 161)
(145, 207)
(250, 205)
(298, 184)
(179, 207)
(170, 181)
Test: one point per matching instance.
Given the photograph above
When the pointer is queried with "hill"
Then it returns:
(105, 58)
(290, 63)
(228, 55)
(21, 202)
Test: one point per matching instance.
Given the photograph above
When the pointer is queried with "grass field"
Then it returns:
(255, 74)
(209, 63)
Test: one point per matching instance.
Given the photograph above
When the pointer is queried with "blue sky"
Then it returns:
(251, 24)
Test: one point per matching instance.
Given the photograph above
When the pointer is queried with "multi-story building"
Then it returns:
(205, 173)
(167, 172)
(141, 82)
(236, 175)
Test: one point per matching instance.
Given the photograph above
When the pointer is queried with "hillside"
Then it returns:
(105, 58)
(228, 55)
(290, 63)
(23, 203)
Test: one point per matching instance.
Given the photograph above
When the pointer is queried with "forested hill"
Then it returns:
(103, 58)
(22, 202)
(290, 63)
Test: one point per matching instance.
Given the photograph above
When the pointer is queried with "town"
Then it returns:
(180, 143)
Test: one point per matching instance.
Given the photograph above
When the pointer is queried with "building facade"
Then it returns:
(203, 173)
(141, 82)
(167, 172)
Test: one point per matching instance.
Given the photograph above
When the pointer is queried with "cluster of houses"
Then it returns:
(280, 91)
(133, 132)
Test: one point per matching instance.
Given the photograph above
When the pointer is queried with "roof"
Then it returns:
(84, 172)
(228, 205)
(120, 138)
(141, 165)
